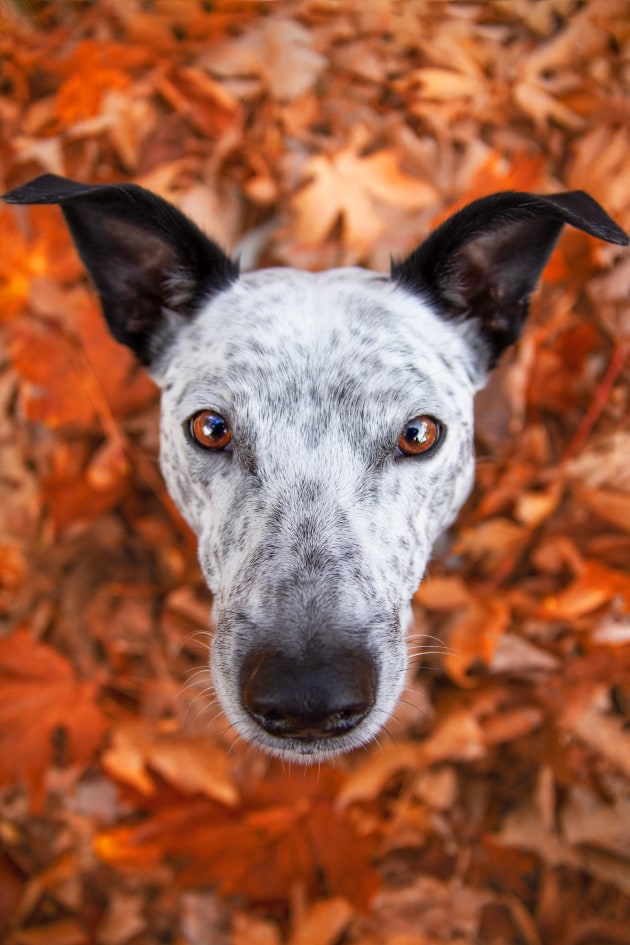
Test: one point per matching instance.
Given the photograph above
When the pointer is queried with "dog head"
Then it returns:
(317, 432)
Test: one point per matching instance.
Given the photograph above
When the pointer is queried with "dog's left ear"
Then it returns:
(151, 265)
(484, 261)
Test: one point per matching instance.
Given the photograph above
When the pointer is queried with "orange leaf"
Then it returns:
(311, 845)
(353, 186)
(612, 506)
(56, 394)
(43, 705)
(324, 923)
(25, 258)
(594, 586)
(92, 69)
(472, 637)
(190, 763)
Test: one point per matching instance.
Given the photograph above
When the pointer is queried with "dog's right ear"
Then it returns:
(482, 264)
(151, 265)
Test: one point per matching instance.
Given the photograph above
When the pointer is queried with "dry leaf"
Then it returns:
(323, 133)
(472, 637)
(280, 52)
(352, 186)
(235, 852)
(46, 712)
(594, 586)
(190, 763)
(610, 505)
(324, 923)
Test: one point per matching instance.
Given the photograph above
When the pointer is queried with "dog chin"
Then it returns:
(308, 751)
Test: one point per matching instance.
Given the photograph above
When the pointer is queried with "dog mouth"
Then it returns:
(306, 749)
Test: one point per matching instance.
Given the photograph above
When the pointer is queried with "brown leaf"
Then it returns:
(57, 394)
(591, 720)
(250, 930)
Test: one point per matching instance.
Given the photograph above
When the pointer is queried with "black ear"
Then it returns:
(484, 262)
(150, 264)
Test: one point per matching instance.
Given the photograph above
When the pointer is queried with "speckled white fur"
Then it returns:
(317, 374)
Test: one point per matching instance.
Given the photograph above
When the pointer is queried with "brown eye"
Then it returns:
(419, 436)
(210, 429)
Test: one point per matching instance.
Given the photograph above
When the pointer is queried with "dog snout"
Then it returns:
(298, 698)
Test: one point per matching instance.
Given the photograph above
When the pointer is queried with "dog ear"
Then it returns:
(483, 262)
(151, 265)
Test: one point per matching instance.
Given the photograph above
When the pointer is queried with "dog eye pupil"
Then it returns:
(210, 429)
(419, 436)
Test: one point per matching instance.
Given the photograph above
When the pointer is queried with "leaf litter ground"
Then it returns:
(496, 808)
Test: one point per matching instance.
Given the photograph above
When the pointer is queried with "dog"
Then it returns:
(316, 432)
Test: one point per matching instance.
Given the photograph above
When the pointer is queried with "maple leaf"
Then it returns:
(43, 356)
(308, 843)
(44, 709)
(353, 186)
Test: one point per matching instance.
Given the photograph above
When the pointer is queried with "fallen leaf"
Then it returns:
(250, 930)
(472, 636)
(44, 710)
(587, 819)
(234, 851)
(595, 585)
(324, 923)
(351, 186)
(191, 764)
(610, 505)
(280, 52)
(591, 720)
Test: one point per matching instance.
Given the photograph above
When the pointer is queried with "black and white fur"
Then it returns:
(314, 529)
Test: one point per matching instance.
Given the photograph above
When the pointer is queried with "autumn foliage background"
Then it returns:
(497, 807)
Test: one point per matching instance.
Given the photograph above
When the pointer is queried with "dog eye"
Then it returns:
(210, 430)
(420, 435)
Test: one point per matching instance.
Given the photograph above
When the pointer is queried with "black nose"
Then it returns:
(308, 699)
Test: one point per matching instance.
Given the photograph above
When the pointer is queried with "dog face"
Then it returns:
(314, 527)
(316, 433)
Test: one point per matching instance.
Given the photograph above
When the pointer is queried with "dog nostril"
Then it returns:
(292, 698)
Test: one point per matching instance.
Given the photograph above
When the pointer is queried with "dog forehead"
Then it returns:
(285, 321)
